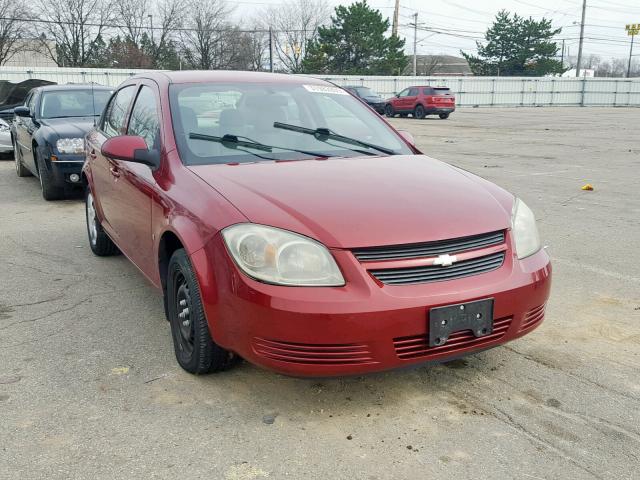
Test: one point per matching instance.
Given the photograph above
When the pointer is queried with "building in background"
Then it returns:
(30, 53)
(437, 65)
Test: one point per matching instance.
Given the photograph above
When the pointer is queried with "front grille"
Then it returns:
(438, 273)
(533, 317)
(314, 354)
(429, 249)
(417, 346)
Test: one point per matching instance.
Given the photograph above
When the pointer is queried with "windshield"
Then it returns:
(73, 103)
(249, 122)
(366, 92)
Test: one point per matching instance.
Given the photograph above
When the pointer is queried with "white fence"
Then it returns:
(469, 91)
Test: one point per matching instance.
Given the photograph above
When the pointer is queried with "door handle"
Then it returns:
(114, 171)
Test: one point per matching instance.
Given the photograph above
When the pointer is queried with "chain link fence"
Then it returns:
(469, 91)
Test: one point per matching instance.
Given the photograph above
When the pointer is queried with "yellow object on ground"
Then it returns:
(588, 186)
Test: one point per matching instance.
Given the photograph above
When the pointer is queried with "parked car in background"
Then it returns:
(368, 96)
(421, 101)
(13, 95)
(6, 145)
(48, 134)
(297, 229)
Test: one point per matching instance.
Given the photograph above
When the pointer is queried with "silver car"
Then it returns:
(6, 146)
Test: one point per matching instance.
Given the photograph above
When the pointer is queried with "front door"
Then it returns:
(135, 184)
(25, 127)
(105, 170)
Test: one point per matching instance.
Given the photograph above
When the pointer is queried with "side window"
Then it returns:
(413, 92)
(404, 93)
(427, 91)
(116, 114)
(144, 118)
(31, 102)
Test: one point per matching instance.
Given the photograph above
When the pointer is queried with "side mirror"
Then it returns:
(408, 137)
(131, 148)
(22, 111)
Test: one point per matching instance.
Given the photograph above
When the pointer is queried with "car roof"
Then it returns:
(427, 86)
(228, 76)
(72, 86)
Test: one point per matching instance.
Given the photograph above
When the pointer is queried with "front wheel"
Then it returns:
(50, 191)
(388, 111)
(419, 112)
(444, 116)
(195, 350)
(99, 241)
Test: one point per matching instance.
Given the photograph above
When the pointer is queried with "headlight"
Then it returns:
(281, 257)
(70, 145)
(525, 231)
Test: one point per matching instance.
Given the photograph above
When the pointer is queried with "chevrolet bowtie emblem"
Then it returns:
(445, 260)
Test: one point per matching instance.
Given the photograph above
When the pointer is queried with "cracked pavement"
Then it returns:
(89, 387)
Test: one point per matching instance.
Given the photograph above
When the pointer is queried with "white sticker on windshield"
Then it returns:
(325, 89)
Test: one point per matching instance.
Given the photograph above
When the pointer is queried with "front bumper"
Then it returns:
(62, 168)
(436, 110)
(378, 107)
(363, 326)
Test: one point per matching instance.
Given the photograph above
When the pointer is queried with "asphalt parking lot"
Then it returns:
(89, 387)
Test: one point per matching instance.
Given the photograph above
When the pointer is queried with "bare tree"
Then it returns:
(72, 30)
(295, 23)
(429, 64)
(10, 28)
(167, 17)
(207, 41)
(133, 18)
(256, 48)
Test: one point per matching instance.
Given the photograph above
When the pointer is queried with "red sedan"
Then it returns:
(288, 224)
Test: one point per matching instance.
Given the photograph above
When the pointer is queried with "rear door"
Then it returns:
(409, 102)
(104, 170)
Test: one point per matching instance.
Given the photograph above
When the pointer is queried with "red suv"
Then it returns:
(421, 101)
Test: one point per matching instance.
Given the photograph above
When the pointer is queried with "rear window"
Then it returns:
(441, 91)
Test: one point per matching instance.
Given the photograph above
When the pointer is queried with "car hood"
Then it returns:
(374, 99)
(364, 201)
(69, 127)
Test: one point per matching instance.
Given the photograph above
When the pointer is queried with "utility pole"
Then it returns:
(396, 12)
(632, 31)
(415, 44)
(562, 56)
(270, 49)
(584, 11)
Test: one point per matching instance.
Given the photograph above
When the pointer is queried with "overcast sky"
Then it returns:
(465, 20)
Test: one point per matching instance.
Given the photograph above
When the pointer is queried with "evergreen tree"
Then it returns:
(355, 44)
(517, 46)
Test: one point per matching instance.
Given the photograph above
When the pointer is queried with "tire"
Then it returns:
(195, 350)
(50, 191)
(444, 116)
(388, 111)
(419, 112)
(100, 243)
(21, 170)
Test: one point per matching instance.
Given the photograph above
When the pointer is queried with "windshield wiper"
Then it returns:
(235, 141)
(324, 134)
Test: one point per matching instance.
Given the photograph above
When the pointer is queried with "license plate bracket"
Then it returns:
(476, 316)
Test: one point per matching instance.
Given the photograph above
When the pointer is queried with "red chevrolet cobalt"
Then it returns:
(288, 224)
